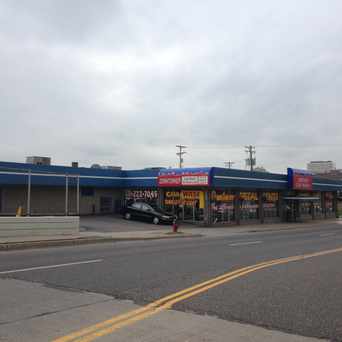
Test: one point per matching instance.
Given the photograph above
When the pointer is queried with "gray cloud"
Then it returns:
(123, 82)
(62, 22)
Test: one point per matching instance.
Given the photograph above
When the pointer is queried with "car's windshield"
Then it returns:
(146, 207)
(136, 205)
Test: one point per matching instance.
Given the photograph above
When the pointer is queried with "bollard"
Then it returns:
(19, 211)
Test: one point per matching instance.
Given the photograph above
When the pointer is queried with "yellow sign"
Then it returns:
(249, 196)
(271, 196)
(185, 197)
(223, 197)
(172, 194)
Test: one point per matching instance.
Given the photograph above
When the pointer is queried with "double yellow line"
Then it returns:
(109, 326)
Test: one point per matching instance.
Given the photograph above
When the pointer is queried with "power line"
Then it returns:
(180, 154)
(250, 161)
(299, 146)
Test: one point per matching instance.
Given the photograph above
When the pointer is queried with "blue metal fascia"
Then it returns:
(323, 184)
(240, 179)
(86, 171)
(141, 178)
(88, 176)
(147, 178)
(187, 170)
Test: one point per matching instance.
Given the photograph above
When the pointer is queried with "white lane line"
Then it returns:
(51, 266)
(327, 234)
(244, 243)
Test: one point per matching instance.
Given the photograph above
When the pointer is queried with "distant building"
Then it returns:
(111, 167)
(106, 167)
(260, 169)
(38, 160)
(334, 174)
(156, 168)
(321, 166)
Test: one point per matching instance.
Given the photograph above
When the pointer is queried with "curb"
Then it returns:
(83, 241)
(296, 226)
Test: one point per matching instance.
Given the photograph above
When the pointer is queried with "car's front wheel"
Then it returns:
(127, 216)
(155, 220)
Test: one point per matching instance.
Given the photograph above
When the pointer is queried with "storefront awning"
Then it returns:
(302, 198)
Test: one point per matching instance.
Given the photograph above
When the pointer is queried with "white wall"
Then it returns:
(31, 226)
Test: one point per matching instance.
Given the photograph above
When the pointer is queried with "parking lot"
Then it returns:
(115, 223)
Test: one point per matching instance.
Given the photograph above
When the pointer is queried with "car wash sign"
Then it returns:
(299, 179)
(183, 177)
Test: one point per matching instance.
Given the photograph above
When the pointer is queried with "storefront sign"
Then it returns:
(222, 207)
(169, 180)
(271, 196)
(299, 179)
(141, 195)
(198, 179)
(178, 177)
(185, 197)
(222, 196)
(249, 196)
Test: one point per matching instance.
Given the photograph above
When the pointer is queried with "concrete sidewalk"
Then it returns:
(47, 313)
(186, 231)
(256, 228)
(11, 243)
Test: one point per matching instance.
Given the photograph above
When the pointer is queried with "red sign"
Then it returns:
(186, 179)
(301, 181)
(169, 180)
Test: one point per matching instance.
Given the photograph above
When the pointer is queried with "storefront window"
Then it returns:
(271, 204)
(249, 205)
(309, 208)
(329, 203)
(317, 205)
(187, 204)
(306, 208)
(222, 206)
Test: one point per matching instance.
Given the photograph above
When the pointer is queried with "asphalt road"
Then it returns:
(303, 298)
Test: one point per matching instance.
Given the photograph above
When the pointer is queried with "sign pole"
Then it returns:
(29, 194)
(78, 196)
(66, 194)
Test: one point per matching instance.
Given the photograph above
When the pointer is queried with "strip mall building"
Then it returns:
(201, 195)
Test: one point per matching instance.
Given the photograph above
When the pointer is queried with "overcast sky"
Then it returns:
(123, 82)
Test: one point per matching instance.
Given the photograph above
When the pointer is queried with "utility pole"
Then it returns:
(250, 161)
(180, 154)
(229, 164)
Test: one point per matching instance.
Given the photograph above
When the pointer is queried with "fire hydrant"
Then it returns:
(175, 226)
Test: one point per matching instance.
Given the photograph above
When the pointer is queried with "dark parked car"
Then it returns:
(145, 212)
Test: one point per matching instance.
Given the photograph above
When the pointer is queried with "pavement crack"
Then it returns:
(42, 314)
